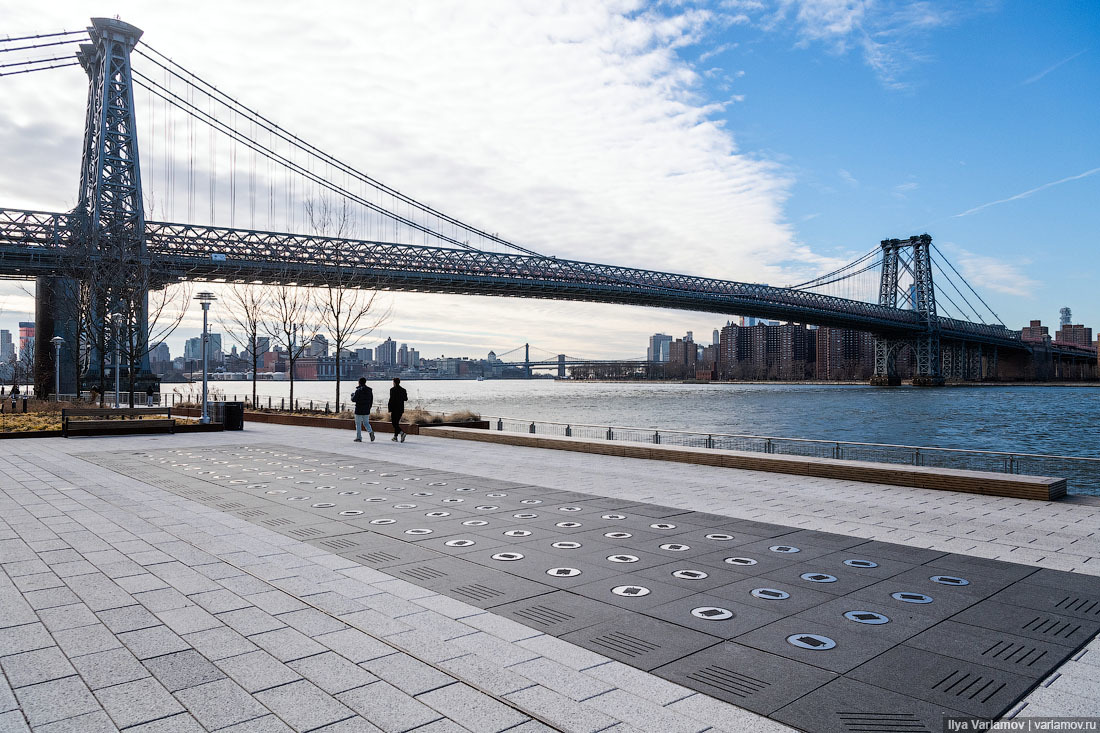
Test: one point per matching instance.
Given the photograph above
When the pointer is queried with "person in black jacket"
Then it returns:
(398, 398)
(363, 397)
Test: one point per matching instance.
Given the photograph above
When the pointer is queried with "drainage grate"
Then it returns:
(544, 615)
(277, 522)
(378, 556)
(305, 532)
(477, 592)
(253, 513)
(338, 544)
(1008, 651)
(1084, 606)
(1052, 627)
(883, 723)
(969, 686)
(423, 572)
(728, 681)
(625, 644)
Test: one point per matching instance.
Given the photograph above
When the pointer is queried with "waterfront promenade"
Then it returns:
(149, 585)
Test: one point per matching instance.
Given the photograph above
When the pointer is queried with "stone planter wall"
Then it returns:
(340, 423)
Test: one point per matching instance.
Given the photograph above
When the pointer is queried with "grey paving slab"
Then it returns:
(558, 612)
(220, 643)
(972, 688)
(560, 712)
(1079, 603)
(998, 649)
(181, 670)
(134, 703)
(1043, 626)
(286, 644)
(111, 667)
(472, 709)
(331, 672)
(643, 642)
(746, 677)
(181, 723)
(14, 722)
(407, 674)
(711, 614)
(303, 706)
(846, 705)
(25, 638)
(153, 642)
(88, 723)
(55, 700)
(40, 665)
(801, 640)
(220, 704)
(388, 708)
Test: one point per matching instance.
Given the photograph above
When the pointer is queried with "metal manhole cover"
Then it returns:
(570, 508)
(496, 495)
(630, 591)
(459, 543)
(453, 500)
(486, 507)
(860, 564)
(867, 617)
(568, 525)
(437, 483)
(675, 547)
(739, 561)
(623, 558)
(422, 493)
(566, 545)
(526, 515)
(276, 491)
(719, 536)
(404, 506)
(474, 523)
(348, 493)
(617, 535)
(816, 642)
(689, 574)
(662, 525)
(818, 577)
(376, 498)
(712, 613)
(383, 521)
(613, 516)
(419, 531)
(907, 597)
(410, 478)
(323, 505)
(771, 594)
(784, 549)
(322, 488)
(507, 556)
(297, 498)
(351, 513)
(531, 501)
(437, 514)
(563, 572)
(517, 533)
(465, 488)
(949, 580)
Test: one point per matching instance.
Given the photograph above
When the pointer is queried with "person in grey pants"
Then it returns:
(363, 397)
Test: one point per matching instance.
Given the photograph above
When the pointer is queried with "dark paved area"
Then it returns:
(820, 631)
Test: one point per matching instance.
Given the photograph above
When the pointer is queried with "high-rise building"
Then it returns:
(7, 348)
(413, 359)
(365, 355)
(683, 351)
(263, 344)
(160, 353)
(1075, 334)
(26, 341)
(318, 346)
(714, 339)
(1065, 316)
(1035, 332)
(658, 347)
(841, 353)
(403, 355)
(386, 353)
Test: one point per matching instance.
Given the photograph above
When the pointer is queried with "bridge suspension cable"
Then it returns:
(967, 284)
(275, 131)
(82, 33)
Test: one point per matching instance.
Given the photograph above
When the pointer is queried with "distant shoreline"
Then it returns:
(820, 383)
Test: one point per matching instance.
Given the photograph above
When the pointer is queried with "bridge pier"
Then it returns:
(55, 303)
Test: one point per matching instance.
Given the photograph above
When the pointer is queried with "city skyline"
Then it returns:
(746, 189)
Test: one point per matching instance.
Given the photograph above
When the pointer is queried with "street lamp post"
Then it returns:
(205, 299)
(57, 341)
(116, 319)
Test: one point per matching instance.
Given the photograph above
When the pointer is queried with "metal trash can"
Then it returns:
(233, 415)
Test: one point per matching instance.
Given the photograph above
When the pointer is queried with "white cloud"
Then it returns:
(847, 178)
(989, 273)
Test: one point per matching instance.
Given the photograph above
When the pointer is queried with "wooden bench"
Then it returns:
(1043, 488)
(121, 421)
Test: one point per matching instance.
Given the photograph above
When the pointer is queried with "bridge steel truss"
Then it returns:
(37, 244)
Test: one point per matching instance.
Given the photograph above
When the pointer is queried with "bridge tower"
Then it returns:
(527, 361)
(926, 346)
(110, 214)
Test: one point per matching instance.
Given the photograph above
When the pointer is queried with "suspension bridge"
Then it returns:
(252, 180)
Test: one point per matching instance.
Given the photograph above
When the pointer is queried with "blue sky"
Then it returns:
(760, 141)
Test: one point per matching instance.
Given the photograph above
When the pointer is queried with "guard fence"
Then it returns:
(1082, 474)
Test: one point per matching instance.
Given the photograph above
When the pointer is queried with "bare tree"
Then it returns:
(347, 312)
(243, 319)
(292, 322)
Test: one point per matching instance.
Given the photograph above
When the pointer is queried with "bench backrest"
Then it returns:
(112, 412)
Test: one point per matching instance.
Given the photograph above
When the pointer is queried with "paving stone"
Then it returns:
(472, 709)
(355, 645)
(303, 706)
(332, 672)
(130, 618)
(725, 717)
(266, 724)
(559, 678)
(287, 644)
(408, 674)
(48, 702)
(141, 701)
(648, 686)
(99, 592)
(25, 638)
(181, 723)
(311, 622)
(50, 598)
(98, 722)
(188, 620)
(154, 642)
(249, 621)
(275, 601)
(140, 583)
(38, 581)
(7, 697)
(162, 599)
(258, 670)
(13, 722)
(352, 725)
(220, 704)
(219, 643)
(220, 601)
(643, 714)
(54, 619)
(388, 708)
(32, 667)
(560, 711)
(103, 669)
(181, 670)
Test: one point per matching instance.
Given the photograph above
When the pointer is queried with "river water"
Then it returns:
(1052, 420)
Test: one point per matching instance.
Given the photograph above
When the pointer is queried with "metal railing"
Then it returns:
(1082, 474)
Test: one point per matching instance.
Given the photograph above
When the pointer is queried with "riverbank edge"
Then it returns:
(820, 383)
(1040, 488)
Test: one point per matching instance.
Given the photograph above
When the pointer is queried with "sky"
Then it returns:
(761, 141)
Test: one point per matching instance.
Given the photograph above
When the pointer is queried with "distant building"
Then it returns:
(402, 355)
(842, 353)
(1075, 334)
(263, 344)
(682, 352)
(658, 347)
(7, 348)
(1065, 316)
(160, 352)
(386, 353)
(192, 348)
(714, 338)
(365, 355)
(1035, 332)
(318, 346)
(26, 341)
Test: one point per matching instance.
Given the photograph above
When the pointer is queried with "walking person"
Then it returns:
(363, 397)
(398, 398)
